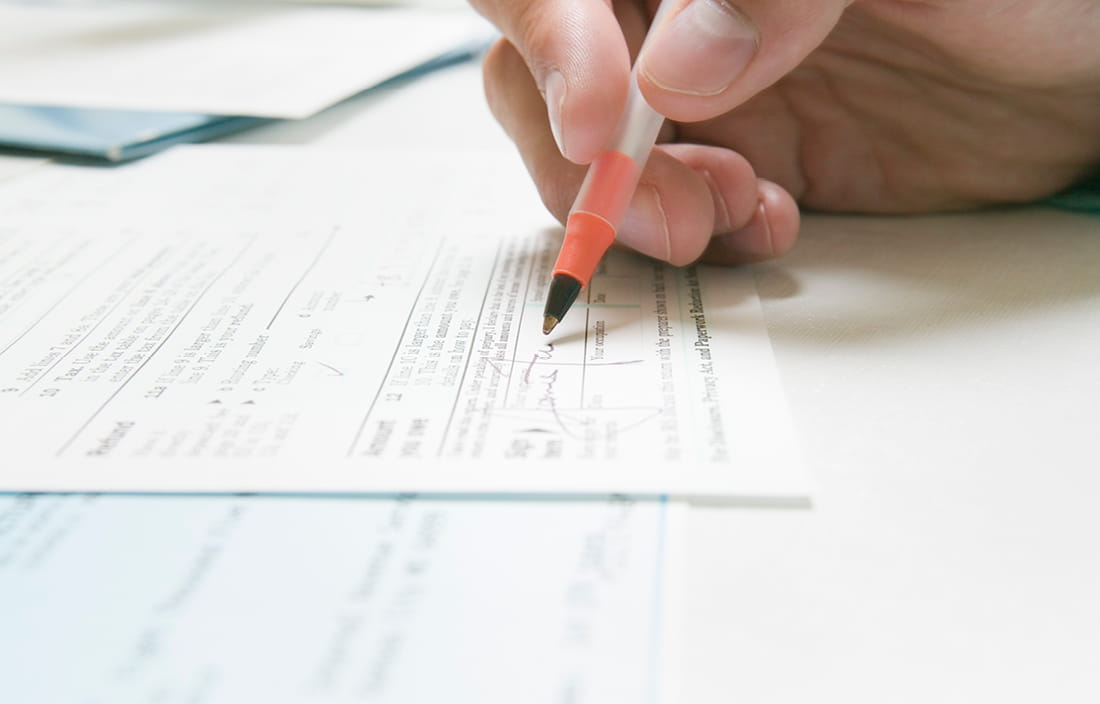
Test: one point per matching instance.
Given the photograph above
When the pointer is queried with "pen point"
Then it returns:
(563, 291)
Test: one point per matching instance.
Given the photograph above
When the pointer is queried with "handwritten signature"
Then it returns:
(542, 372)
(548, 400)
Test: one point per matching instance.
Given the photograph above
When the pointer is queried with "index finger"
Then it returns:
(576, 53)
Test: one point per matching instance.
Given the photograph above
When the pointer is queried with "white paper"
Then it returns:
(267, 319)
(229, 59)
(262, 599)
(12, 165)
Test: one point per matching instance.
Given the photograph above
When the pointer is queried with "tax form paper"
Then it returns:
(284, 600)
(288, 320)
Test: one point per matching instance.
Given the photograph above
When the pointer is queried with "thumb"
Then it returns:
(704, 57)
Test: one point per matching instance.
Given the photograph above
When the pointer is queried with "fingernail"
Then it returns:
(554, 90)
(700, 50)
(752, 242)
(645, 226)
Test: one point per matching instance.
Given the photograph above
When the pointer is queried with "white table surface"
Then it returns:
(944, 377)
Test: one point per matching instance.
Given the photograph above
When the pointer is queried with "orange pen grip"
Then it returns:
(587, 238)
(597, 212)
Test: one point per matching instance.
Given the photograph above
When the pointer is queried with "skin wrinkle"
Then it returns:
(920, 68)
(944, 168)
(724, 224)
(797, 190)
(709, 134)
(530, 33)
(858, 123)
(804, 149)
(884, 181)
(950, 175)
(767, 227)
(937, 173)
(941, 168)
(664, 220)
(869, 39)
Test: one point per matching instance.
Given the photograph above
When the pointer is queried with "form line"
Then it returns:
(320, 253)
(106, 315)
(470, 352)
(155, 350)
(396, 349)
(65, 296)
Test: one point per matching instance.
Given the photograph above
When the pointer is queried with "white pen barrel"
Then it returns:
(638, 128)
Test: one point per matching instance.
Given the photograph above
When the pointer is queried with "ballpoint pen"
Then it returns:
(601, 203)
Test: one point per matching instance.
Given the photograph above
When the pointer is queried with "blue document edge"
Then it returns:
(124, 135)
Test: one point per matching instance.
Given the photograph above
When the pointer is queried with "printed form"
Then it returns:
(282, 319)
(223, 600)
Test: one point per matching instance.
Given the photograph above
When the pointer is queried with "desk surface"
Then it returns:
(943, 375)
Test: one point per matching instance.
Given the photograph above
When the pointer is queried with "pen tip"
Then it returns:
(563, 291)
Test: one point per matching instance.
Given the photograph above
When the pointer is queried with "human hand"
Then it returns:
(877, 106)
